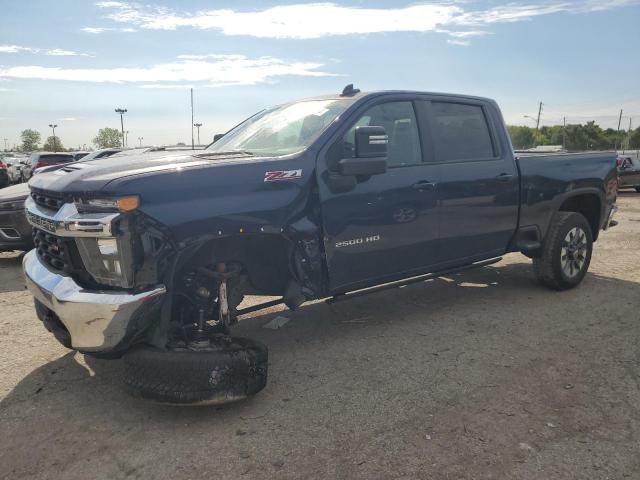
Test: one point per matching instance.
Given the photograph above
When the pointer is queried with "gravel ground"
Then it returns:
(472, 376)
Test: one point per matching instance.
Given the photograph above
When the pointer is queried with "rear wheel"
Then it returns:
(566, 252)
(638, 189)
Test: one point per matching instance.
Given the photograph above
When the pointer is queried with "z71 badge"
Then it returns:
(282, 175)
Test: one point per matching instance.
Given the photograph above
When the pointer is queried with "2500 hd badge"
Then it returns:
(357, 241)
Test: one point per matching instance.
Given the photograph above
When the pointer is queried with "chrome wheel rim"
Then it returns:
(573, 254)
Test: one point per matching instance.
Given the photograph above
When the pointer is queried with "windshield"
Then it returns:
(281, 130)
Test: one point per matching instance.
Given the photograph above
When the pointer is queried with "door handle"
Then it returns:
(423, 185)
(504, 177)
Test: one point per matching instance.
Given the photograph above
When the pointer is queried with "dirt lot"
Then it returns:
(473, 376)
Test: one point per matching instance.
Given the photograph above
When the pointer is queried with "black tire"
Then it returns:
(228, 372)
(637, 189)
(548, 267)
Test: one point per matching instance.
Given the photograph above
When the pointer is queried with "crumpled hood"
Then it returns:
(93, 175)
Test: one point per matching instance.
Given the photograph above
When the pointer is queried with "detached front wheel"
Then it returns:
(566, 253)
(228, 370)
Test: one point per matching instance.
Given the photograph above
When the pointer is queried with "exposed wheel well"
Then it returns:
(264, 258)
(589, 206)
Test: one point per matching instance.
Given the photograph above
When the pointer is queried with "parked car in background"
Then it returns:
(44, 159)
(14, 168)
(79, 155)
(15, 231)
(95, 155)
(102, 153)
(4, 174)
(629, 171)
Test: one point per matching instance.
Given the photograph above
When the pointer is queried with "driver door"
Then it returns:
(386, 225)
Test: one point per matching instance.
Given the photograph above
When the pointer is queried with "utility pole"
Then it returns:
(53, 127)
(564, 133)
(140, 140)
(122, 111)
(198, 125)
(126, 143)
(615, 143)
(192, 142)
(538, 121)
(628, 137)
(5, 145)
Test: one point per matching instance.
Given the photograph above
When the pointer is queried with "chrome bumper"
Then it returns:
(96, 320)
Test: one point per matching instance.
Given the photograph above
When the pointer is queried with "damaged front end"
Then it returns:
(96, 269)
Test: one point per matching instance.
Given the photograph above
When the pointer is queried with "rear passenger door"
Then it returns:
(478, 191)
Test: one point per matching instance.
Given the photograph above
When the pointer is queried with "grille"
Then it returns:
(50, 200)
(54, 251)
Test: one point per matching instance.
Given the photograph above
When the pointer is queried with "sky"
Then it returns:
(72, 62)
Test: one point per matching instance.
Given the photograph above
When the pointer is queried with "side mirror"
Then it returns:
(217, 137)
(371, 153)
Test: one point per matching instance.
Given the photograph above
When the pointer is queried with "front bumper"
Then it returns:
(97, 321)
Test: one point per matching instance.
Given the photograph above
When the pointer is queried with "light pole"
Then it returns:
(198, 125)
(140, 140)
(126, 138)
(122, 111)
(53, 127)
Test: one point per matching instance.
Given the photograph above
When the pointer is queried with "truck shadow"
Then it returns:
(346, 349)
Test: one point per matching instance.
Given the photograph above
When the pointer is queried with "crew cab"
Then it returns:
(150, 256)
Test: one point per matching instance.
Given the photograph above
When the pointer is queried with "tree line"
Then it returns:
(106, 138)
(589, 136)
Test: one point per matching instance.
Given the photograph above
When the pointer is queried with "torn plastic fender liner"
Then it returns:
(308, 255)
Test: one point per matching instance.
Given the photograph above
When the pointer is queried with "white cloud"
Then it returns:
(211, 70)
(2, 89)
(462, 43)
(16, 49)
(468, 34)
(316, 20)
(69, 119)
(56, 52)
(98, 30)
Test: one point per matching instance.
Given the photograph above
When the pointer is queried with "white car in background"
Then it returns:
(14, 168)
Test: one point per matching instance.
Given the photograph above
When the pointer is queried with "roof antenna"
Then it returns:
(349, 91)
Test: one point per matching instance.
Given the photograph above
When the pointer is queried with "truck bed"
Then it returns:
(549, 179)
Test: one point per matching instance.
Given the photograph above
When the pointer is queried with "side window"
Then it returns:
(399, 120)
(460, 132)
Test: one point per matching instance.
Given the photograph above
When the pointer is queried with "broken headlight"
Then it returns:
(108, 260)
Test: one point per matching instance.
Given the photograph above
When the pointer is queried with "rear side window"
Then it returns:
(54, 159)
(461, 132)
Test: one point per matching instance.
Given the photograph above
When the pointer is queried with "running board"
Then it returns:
(379, 288)
(260, 306)
(409, 281)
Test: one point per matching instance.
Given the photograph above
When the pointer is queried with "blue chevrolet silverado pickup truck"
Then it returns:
(149, 257)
